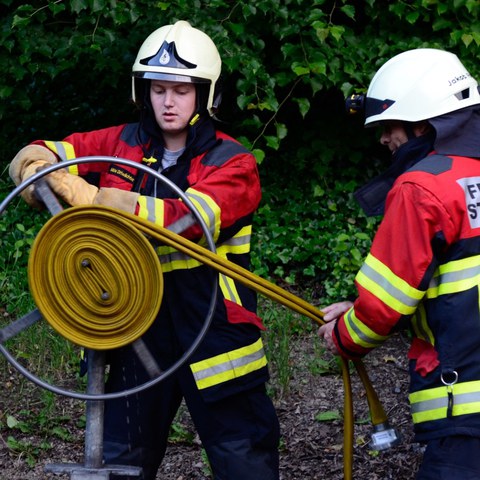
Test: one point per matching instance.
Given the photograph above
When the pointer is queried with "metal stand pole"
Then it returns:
(93, 468)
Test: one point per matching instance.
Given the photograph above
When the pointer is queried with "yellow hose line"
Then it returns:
(377, 413)
(123, 264)
(348, 421)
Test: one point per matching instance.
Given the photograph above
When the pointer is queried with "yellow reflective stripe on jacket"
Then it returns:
(208, 209)
(229, 290)
(238, 244)
(171, 259)
(392, 290)
(420, 325)
(456, 276)
(152, 209)
(230, 365)
(65, 151)
(432, 404)
(175, 260)
(360, 333)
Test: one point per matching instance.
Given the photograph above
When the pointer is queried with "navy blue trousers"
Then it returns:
(451, 458)
(240, 433)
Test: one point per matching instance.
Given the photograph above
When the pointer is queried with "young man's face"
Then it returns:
(173, 104)
(394, 135)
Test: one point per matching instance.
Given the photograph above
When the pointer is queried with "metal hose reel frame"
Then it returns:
(56, 208)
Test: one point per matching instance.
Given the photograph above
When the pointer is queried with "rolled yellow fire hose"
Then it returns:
(97, 280)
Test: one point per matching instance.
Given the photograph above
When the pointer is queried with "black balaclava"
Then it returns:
(454, 133)
(458, 132)
(372, 196)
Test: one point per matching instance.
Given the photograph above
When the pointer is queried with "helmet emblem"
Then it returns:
(167, 56)
(164, 58)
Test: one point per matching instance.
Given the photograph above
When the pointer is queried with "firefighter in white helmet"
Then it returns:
(422, 271)
(174, 82)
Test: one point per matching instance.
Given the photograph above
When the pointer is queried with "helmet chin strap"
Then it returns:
(408, 127)
(202, 92)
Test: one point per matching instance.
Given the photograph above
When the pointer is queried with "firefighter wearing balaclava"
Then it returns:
(423, 269)
(174, 82)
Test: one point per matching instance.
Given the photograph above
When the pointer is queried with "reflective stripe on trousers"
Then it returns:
(433, 404)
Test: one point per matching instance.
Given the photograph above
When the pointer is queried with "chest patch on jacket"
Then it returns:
(120, 172)
(471, 188)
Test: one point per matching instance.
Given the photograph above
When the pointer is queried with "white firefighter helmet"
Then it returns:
(178, 53)
(419, 84)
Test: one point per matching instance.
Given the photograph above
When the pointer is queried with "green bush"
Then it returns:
(287, 66)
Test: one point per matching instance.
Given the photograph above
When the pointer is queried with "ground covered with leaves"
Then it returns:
(310, 412)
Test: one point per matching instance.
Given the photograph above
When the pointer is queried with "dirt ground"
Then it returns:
(310, 449)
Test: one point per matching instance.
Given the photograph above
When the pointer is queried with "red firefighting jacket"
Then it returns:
(223, 183)
(424, 268)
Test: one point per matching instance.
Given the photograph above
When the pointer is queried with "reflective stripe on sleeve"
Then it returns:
(229, 365)
(360, 333)
(151, 209)
(208, 209)
(392, 290)
(65, 151)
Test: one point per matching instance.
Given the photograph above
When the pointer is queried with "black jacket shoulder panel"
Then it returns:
(434, 164)
(222, 152)
(129, 134)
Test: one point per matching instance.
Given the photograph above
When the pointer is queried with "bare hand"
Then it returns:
(326, 332)
(332, 313)
(336, 310)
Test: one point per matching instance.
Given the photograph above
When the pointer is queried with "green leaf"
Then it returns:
(12, 422)
(329, 416)
(332, 206)
(441, 24)
(476, 37)
(5, 91)
(237, 28)
(281, 130)
(57, 8)
(272, 142)
(412, 17)
(322, 33)
(259, 155)
(472, 5)
(319, 68)
(467, 39)
(78, 5)
(349, 11)
(243, 101)
(303, 105)
(318, 191)
(337, 32)
(98, 5)
(20, 21)
(442, 8)
(300, 69)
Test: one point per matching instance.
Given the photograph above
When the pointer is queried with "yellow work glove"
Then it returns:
(25, 164)
(75, 191)
(116, 198)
